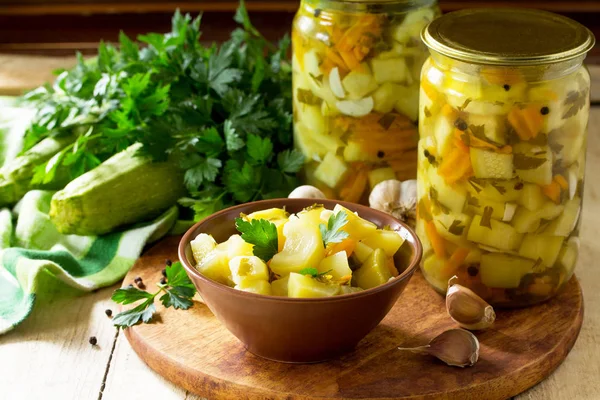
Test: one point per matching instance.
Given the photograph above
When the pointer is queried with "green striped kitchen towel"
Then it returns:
(35, 256)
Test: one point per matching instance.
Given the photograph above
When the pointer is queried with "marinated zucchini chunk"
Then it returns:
(246, 268)
(201, 246)
(303, 286)
(541, 247)
(254, 286)
(504, 271)
(373, 272)
(303, 248)
(494, 233)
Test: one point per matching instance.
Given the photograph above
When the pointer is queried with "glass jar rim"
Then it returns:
(374, 6)
(508, 36)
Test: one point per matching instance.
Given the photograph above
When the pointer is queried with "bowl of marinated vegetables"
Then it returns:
(297, 281)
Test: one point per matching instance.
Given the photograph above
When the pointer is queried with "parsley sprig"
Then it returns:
(223, 113)
(262, 234)
(178, 292)
(313, 272)
(332, 233)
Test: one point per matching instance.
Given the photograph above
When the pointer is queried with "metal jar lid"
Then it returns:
(507, 36)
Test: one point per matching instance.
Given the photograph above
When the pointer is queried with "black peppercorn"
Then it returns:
(519, 186)
(164, 273)
(426, 153)
(472, 271)
(506, 87)
(93, 341)
(141, 285)
(168, 262)
(163, 281)
(108, 312)
(431, 159)
(544, 110)
(460, 124)
(380, 154)
(137, 279)
(317, 12)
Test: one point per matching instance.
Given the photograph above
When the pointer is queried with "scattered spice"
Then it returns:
(164, 273)
(380, 154)
(138, 279)
(545, 111)
(317, 12)
(519, 185)
(460, 124)
(168, 263)
(163, 281)
(108, 312)
(93, 341)
(472, 271)
(506, 87)
(426, 153)
(141, 285)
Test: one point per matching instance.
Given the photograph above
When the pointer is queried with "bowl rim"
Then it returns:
(406, 274)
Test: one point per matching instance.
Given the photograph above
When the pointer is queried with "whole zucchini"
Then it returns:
(125, 189)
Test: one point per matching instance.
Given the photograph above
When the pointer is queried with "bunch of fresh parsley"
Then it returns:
(178, 292)
(222, 113)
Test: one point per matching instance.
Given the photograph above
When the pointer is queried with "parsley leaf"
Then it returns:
(262, 234)
(259, 149)
(178, 293)
(290, 161)
(313, 272)
(232, 139)
(332, 233)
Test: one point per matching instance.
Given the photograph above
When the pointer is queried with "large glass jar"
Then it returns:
(356, 68)
(503, 116)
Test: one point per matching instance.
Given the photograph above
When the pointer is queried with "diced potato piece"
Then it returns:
(215, 266)
(379, 175)
(532, 197)
(201, 246)
(362, 252)
(357, 227)
(304, 286)
(503, 271)
(444, 134)
(247, 268)
(494, 127)
(385, 97)
(345, 289)
(407, 101)
(389, 241)
(501, 236)
(541, 175)
(390, 70)
(452, 196)
(497, 207)
(567, 258)
(373, 272)
(332, 170)
(500, 191)
(303, 248)
(279, 287)
(491, 165)
(336, 265)
(541, 246)
(355, 152)
(254, 286)
(447, 227)
(359, 84)
(236, 246)
(567, 221)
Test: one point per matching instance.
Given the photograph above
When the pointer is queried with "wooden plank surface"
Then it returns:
(49, 356)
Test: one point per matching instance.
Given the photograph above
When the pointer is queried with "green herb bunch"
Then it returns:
(223, 113)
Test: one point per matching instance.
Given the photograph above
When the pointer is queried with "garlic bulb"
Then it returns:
(306, 192)
(396, 198)
(467, 309)
(455, 347)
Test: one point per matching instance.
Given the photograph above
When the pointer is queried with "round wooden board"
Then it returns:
(192, 349)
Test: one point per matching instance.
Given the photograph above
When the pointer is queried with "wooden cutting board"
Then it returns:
(192, 349)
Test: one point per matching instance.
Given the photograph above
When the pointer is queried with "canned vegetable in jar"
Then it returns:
(503, 116)
(356, 68)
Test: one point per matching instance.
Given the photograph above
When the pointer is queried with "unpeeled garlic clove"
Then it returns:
(399, 199)
(467, 309)
(306, 192)
(455, 347)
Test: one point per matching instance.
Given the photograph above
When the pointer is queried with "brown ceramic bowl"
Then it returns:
(299, 330)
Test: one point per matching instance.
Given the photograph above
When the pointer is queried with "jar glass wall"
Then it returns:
(356, 69)
(500, 175)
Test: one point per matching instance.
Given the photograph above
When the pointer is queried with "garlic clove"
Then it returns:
(399, 199)
(455, 347)
(356, 108)
(335, 83)
(467, 309)
(306, 192)
(509, 212)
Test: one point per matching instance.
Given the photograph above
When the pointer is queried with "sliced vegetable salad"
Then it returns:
(356, 88)
(314, 253)
(501, 168)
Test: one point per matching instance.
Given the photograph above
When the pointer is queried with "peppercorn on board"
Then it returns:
(501, 167)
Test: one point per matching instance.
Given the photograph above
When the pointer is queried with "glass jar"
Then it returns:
(356, 68)
(504, 108)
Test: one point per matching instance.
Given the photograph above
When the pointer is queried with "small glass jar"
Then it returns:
(356, 68)
(503, 117)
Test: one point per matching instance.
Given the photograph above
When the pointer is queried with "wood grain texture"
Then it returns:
(193, 350)
(49, 356)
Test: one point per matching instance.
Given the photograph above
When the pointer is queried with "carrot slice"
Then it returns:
(457, 165)
(354, 187)
(437, 242)
(348, 245)
(527, 122)
(552, 191)
(456, 259)
(561, 181)
(502, 76)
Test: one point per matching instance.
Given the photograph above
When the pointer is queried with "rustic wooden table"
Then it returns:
(49, 356)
